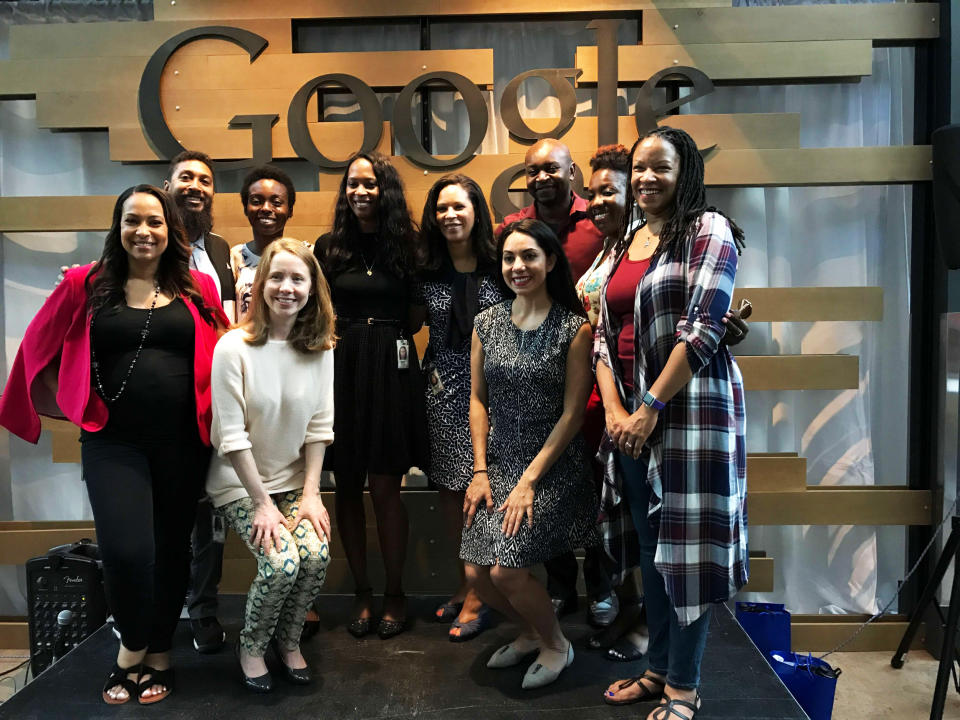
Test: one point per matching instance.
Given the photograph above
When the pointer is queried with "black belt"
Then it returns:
(369, 321)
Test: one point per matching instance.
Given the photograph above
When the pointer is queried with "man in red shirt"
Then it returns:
(549, 171)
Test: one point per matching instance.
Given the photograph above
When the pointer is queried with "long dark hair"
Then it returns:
(432, 251)
(559, 282)
(690, 198)
(106, 279)
(397, 231)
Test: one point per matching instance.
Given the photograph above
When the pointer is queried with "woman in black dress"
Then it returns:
(380, 423)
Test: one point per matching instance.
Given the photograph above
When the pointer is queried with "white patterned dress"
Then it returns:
(525, 372)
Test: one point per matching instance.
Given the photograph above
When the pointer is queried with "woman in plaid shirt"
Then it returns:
(675, 419)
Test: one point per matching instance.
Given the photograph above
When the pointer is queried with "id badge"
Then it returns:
(433, 380)
(403, 354)
(219, 530)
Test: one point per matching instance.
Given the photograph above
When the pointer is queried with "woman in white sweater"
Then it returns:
(272, 386)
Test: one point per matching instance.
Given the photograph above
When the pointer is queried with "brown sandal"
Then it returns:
(645, 696)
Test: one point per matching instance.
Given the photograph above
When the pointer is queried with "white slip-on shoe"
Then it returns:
(537, 675)
(508, 656)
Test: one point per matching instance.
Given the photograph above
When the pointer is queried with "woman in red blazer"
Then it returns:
(123, 349)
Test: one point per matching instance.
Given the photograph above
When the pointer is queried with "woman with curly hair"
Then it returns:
(380, 424)
(458, 280)
(674, 412)
(272, 421)
(123, 348)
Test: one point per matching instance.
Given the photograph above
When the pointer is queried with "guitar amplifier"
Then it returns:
(68, 577)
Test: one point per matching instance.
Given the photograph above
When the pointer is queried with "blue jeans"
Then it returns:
(674, 651)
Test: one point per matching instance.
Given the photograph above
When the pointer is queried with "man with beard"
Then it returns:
(190, 182)
(549, 171)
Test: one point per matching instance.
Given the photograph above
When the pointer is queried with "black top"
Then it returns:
(356, 294)
(158, 401)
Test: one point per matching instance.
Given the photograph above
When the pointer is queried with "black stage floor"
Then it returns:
(418, 674)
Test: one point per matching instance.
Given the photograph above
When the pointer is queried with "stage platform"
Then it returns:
(418, 674)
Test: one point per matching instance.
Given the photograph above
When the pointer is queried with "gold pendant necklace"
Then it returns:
(369, 267)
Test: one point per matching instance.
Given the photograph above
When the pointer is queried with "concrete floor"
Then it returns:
(868, 687)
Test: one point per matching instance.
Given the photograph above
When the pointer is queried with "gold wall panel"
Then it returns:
(133, 39)
(800, 372)
(22, 540)
(14, 635)
(773, 473)
(336, 140)
(387, 69)
(820, 633)
(228, 10)
(813, 304)
(867, 21)
(761, 575)
(738, 61)
(841, 505)
(743, 130)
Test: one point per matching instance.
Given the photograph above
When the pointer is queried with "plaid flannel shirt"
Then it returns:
(697, 469)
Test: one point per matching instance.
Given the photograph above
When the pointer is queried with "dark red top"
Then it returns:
(579, 237)
(621, 292)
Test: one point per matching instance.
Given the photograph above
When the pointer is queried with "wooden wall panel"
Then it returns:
(20, 78)
(813, 304)
(761, 575)
(842, 505)
(131, 39)
(883, 22)
(773, 473)
(738, 62)
(800, 372)
(336, 140)
(743, 130)
(387, 69)
(821, 633)
(336, 9)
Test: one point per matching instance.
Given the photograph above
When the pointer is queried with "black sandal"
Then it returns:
(669, 707)
(118, 676)
(156, 677)
(387, 629)
(360, 626)
(645, 696)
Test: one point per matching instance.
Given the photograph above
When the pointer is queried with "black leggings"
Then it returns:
(144, 500)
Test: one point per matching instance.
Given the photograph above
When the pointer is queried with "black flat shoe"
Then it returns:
(387, 629)
(361, 626)
(297, 676)
(261, 683)
(624, 651)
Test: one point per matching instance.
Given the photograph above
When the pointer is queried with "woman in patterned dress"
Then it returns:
(457, 281)
(675, 413)
(531, 497)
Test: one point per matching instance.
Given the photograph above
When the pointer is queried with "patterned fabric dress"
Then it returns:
(447, 387)
(525, 372)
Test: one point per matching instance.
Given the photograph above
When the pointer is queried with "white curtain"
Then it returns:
(795, 236)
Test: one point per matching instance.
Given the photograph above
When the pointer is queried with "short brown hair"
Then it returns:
(315, 326)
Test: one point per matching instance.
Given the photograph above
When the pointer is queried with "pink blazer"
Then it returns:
(61, 332)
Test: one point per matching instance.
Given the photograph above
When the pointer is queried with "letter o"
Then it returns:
(299, 133)
(557, 77)
(476, 115)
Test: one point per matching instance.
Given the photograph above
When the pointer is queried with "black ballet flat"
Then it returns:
(261, 683)
(624, 651)
(296, 676)
(387, 629)
(361, 626)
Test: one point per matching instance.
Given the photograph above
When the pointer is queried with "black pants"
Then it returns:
(144, 499)
(206, 566)
(562, 575)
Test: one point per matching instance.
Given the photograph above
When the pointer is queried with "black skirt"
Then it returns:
(380, 424)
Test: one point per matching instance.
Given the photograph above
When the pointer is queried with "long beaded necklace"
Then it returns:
(143, 337)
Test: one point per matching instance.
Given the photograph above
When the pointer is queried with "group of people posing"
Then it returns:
(577, 392)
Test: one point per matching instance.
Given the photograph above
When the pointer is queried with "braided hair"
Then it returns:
(689, 200)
